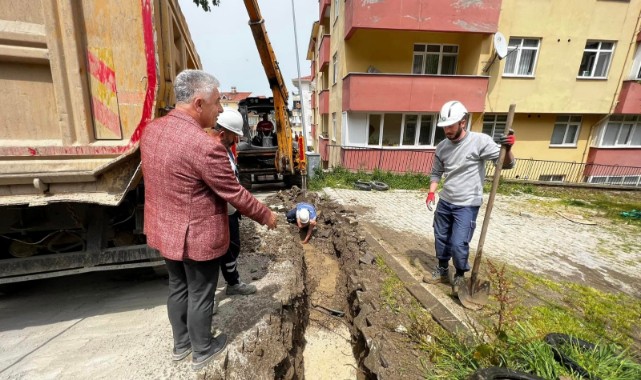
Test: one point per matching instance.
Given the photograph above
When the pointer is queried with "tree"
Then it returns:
(204, 4)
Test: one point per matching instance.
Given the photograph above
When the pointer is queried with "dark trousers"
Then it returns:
(291, 216)
(453, 230)
(192, 287)
(228, 263)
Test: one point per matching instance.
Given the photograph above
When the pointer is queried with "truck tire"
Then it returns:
(363, 185)
(555, 340)
(380, 186)
(497, 373)
(246, 181)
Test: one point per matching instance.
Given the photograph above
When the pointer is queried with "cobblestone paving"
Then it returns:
(606, 256)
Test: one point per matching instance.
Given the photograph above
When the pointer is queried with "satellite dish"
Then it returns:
(500, 45)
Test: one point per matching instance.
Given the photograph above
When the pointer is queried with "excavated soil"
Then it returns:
(328, 318)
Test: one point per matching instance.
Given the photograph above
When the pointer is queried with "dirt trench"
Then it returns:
(329, 318)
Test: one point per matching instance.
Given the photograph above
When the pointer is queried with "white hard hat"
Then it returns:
(303, 215)
(231, 120)
(451, 113)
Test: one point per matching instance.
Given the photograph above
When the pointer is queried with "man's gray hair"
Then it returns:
(192, 82)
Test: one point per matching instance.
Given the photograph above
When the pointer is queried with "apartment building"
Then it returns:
(382, 70)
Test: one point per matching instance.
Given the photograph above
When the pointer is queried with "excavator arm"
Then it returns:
(285, 162)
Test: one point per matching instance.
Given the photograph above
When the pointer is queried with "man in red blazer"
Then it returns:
(188, 182)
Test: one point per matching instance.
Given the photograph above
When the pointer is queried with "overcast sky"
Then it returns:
(227, 49)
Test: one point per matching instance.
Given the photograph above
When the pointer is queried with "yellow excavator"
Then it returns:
(269, 159)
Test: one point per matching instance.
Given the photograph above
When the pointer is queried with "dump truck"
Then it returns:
(278, 157)
(80, 80)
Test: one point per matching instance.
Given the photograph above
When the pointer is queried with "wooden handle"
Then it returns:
(490, 202)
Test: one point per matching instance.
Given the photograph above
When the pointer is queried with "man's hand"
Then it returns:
(271, 224)
(508, 140)
(430, 201)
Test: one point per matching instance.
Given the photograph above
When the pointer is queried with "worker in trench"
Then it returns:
(304, 216)
(188, 183)
(460, 161)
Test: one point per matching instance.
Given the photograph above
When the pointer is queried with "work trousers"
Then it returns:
(453, 230)
(192, 287)
(228, 264)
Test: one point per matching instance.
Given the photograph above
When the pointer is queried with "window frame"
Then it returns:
(334, 68)
(441, 54)
(417, 134)
(334, 126)
(494, 123)
(569, 123)
(635, 127)
(336, 9)
(518, 51)
(598, 51)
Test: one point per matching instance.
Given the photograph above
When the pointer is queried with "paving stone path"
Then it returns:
(521, 233)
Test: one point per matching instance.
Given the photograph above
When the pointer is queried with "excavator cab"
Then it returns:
(259, 160)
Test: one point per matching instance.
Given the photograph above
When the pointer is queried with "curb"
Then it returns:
(441, 314)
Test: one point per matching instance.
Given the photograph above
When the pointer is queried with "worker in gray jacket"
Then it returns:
(460, 161)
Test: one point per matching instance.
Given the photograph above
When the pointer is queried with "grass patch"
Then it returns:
(344, 179)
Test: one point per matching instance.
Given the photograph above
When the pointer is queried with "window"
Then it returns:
(417, 129)
(395, 129)
(334, 68)
(552, 178)
(333, 126)
(494, 124)
(596, 59)
(622, 131)
(435, 59)
(521, 59)
(566, 130)
(374, 133)
(324, 128)
(336, 9)
(631, 180)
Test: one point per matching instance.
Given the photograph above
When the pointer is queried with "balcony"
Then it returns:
(323, 53)
(323, 102)
(323, 9)
(423, 15)
(411, 93)
(629, 98)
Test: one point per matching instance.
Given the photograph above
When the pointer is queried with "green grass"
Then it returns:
(342, 178)
(578, 311)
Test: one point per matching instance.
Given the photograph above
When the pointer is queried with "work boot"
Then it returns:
(179, 354)
(438, 276)
(240, 288)
(218, 344)
(457, 281)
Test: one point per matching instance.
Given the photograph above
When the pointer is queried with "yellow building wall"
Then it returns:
(533, 133)
(564, 27)
(393, 51)
(337, 46)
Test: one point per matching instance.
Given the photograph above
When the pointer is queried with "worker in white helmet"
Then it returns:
(460, 161)
(229, 127)
(304, 215)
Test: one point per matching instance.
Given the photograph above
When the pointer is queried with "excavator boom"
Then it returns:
(284, 161)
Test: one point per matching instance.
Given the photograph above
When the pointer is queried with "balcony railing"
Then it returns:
(323, 10)
(629, 98)
(423, 15)
(323, 102)
(323, 53)
(527, 170)
(411, 93)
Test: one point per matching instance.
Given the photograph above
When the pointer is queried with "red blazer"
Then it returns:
(188, 182)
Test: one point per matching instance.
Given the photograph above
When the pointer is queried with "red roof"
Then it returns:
(234, 96)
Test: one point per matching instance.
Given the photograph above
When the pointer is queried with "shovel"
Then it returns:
(474, 293)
